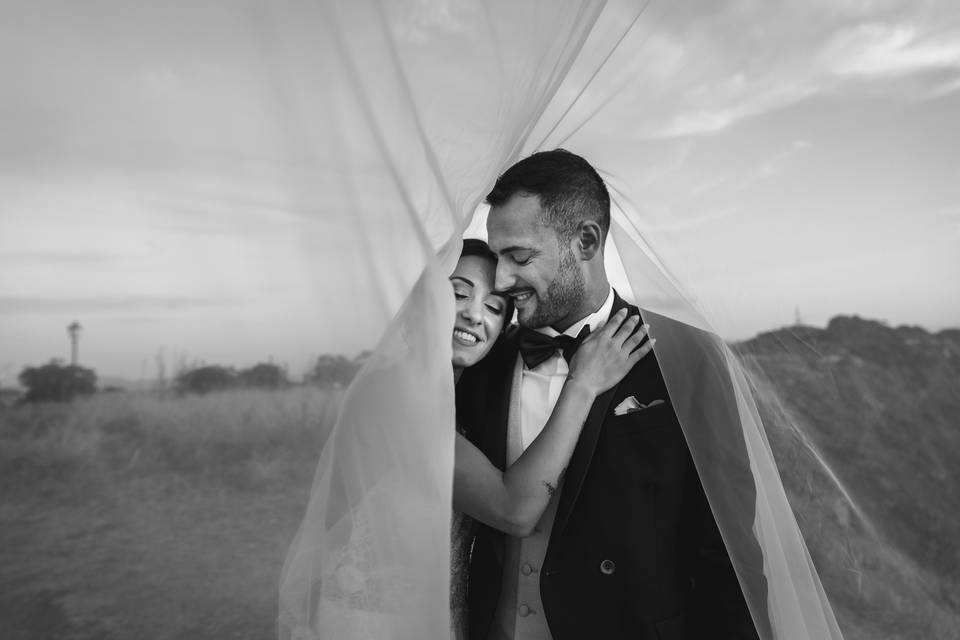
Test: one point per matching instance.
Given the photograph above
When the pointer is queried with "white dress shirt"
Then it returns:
(541, 386)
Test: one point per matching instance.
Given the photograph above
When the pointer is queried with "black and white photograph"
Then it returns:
(480, 320)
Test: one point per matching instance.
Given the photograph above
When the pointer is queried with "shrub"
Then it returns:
(56, 382)
(263, 376)
(205, 379)
(333, 371)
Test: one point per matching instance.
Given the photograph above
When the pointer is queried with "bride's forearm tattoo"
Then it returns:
(552, 489)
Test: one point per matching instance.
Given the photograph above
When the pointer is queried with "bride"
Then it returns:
(352, 597)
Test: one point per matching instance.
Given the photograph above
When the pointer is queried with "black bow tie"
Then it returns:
(535, 347)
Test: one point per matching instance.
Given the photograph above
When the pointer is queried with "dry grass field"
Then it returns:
(129, 516)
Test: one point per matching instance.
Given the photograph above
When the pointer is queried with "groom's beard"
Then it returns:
(563, 294)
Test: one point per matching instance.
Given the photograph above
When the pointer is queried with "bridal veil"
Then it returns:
(396, 117)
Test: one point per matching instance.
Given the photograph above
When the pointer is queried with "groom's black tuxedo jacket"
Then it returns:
(632, 502)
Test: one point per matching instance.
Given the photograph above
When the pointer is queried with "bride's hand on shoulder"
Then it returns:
(607, 355)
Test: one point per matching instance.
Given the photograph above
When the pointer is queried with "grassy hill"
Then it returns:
(128, 515)
(864, 421)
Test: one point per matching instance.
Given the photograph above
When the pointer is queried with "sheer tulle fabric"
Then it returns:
(359, 137)
(374, 544)
(406, 147)
(417, 152)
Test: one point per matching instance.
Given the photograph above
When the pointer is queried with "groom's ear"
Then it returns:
(589, 239)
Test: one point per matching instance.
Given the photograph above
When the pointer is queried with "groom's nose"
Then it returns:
(504, 278)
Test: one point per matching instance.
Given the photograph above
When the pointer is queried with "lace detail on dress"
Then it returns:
(462, 529)
(357, 596)
(355, 579)
(461, 541)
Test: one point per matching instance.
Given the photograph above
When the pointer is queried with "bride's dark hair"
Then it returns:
(477, 247)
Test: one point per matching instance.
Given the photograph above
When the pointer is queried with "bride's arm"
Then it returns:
(513, 500)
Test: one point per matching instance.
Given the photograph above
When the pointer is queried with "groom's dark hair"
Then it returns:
(570, 190)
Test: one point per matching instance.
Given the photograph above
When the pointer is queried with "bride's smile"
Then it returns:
(481, 311)
(466, 337)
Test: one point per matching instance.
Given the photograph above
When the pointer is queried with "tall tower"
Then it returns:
(73, 330)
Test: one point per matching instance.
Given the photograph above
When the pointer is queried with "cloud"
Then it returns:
(696, 222)
(736, 61)
(749, 99)
(774, 164)
(413, 21)
(766, 169)
(10, 305)
(879, 50)
(941, 89)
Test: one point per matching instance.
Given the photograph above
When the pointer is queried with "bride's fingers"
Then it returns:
(625, 329)
(613, 324)
(633, 340)
(638, 353)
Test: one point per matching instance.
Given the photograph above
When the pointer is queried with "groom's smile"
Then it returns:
(520, 298)
(536, 268)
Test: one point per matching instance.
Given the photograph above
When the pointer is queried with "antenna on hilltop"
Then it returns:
(73, 330)
(797, 319)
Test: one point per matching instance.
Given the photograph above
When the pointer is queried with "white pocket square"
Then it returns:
(631, 404)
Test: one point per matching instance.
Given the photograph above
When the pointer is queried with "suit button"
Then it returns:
(607, 567)
(523, 610)
(526, 569)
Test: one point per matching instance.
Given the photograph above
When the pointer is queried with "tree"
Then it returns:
(56, 382)
(205, 379)
(263, 375)
(333, 371)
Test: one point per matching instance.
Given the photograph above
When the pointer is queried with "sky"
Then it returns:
(785, 158)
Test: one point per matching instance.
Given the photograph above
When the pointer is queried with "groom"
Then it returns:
(628, 547)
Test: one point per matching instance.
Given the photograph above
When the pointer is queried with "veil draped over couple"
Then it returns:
(595, 466)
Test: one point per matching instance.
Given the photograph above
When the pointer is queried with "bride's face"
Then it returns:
(480, 311)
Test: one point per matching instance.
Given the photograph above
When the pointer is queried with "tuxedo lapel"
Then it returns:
(583, 454)
(580, 461)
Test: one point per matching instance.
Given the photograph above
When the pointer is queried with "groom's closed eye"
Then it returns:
(521, 258)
